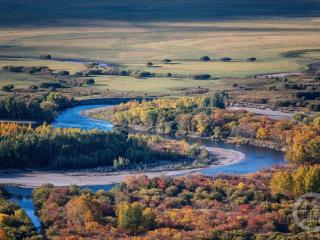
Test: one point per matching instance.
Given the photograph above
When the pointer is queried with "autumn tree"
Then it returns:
(282, 183)
(148, 219)
(301, 181)
(82, 211)
(262, 133)
(312, 180)
(304, 150)
(3, 235)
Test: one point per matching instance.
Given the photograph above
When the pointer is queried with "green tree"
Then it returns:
(299, 176)
(217, 133)
(149, 117)
(121, 163)
(58, 99)
(301, 117)
(149, 219)
(282, 183)
(130, 216)
(312, 180)
(7, 88)
(313, 150)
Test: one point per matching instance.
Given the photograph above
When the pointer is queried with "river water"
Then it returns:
(256, 158)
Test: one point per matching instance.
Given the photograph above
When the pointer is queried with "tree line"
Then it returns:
(46, 147)
(206, 117)
(43, 108)
(305, 179)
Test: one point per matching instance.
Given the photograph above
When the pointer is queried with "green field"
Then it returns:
(153, 30)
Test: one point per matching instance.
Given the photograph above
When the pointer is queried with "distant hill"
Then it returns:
(49, 12)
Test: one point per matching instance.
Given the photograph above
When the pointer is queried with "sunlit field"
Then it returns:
(133, 45)
(132, 33)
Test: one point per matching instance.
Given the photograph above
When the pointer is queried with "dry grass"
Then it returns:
(220, 69)
(149, 85)
(132, 45)
(72, 67)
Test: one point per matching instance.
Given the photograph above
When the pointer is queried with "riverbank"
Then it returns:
(105, 113)
(273, 114)
(92, 177)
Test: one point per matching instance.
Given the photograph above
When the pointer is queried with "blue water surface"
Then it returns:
(72, 118)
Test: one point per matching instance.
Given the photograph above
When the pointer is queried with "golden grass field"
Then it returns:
(133, 44)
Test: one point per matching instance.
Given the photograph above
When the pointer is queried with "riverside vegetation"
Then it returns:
(182, 208)
(14, 222)
(37, 108)
(206, 117)
(256, 206)
(46, 147)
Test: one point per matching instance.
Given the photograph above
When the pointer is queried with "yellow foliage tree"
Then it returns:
(241, 186)
(281, 182)
(4, 218)
(262, 133)
(3, 235)
(82, 211)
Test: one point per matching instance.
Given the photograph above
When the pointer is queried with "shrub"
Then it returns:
(301, 117)
(226, 59)
(91, 65)
(308, 95)
(252, 59)
(314, 107)
(90, 81)
(149, 64)
(139, 74)
(46, 56)
(33, 87)
(202, 77)
(96, 72)
(14, 69)
(124, 73)
(166, 61)
(51, 85)
(205, 58)
(81, 74)
(7, 88)
(283, 103)
(63, 73)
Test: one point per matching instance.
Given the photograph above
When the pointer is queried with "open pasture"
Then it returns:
(151, 31)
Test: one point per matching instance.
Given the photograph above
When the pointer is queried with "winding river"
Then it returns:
(255, 159)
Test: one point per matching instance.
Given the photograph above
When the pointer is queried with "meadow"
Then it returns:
(132, 33)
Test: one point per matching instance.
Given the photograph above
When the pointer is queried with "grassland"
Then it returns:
(147, 34)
